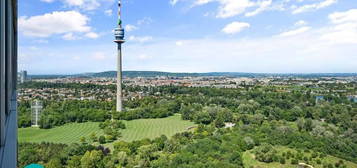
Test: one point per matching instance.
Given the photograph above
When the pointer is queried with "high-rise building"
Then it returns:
(22, 76)
(119, 39)
(8, 80)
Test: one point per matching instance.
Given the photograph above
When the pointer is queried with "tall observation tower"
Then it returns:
(119, 39)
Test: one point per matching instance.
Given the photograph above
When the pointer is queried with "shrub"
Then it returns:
(314, 155)
(101, 140)
(318, 161)
(282, 160)
(306, 159)
(294, 161)
(329, 165)
(322, 155)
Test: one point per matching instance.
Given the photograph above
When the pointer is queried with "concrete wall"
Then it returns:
(8, 77)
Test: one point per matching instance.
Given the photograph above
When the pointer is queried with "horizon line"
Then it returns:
(272, 73)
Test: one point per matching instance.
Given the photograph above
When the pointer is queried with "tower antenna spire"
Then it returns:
(119, 39)
(119, 14)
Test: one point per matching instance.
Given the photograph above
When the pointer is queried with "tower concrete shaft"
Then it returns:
(119, 39)
(119, 80)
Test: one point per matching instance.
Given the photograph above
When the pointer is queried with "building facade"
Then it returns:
(8, 80)
(22, 76)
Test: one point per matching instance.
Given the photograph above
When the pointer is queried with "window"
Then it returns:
(8, 75)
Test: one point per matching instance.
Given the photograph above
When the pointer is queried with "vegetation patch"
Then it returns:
(266, 156)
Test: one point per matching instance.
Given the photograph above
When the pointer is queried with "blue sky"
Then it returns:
(275, 36)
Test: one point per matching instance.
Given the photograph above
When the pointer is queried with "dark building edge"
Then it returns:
(8, 81)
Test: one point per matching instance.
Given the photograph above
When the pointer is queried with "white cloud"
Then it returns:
(140, 39)
(41, 41)
(130, 27)
(300, 23)
(92, 35)
(263, 5)
(144, 57)
(173, 2)
(69, 36)
(54, 23)
(76, 58)
(231, 8)
(295, 31)
(341, 17)
(343, 29)
(235, 27)
(315, 6)
(179, 43)
(281, 54)
(108, 12)
(202, 2)
(84, 4)
(144, 21)
(48, 1)
(99, 56)
(74, 2)
(268, 54)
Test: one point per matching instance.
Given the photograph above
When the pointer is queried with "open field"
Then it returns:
(250, 162)
(151, 128)
(136, 130)
(67, 134)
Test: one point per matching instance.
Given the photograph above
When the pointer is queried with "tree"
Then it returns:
(102, 139)
(203, 117)
(282, 160)
(54, 163)
(74, 162)
(93, 137)
(250, 142)
(92, 159)
(308, 124)
(83, 140)
(122, 158)
(300, 124)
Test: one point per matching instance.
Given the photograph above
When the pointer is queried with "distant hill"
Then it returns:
(112, 74)
(217, 74)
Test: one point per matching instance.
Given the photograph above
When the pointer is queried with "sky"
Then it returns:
(262, 36)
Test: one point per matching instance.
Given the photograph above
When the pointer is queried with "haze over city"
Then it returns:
(287, 36)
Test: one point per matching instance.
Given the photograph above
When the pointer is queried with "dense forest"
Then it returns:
(264, 116)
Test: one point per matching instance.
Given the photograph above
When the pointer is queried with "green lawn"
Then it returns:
(152, 128)
(136, 130)
(68, 133)
(249, 161)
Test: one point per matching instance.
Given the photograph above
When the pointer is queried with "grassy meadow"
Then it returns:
(135, 130)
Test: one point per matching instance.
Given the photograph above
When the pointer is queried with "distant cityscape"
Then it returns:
(178, 79)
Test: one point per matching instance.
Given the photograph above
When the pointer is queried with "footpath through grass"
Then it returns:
(136, 130)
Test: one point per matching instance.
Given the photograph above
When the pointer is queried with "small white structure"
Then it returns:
(229, 125)
(36, 109)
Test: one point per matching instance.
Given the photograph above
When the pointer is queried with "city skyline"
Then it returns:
(297, 36)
